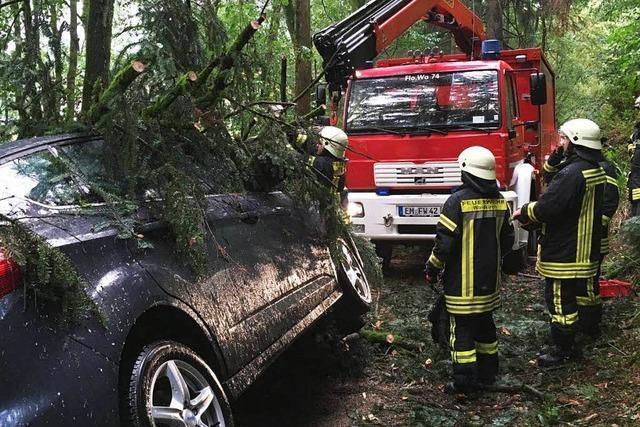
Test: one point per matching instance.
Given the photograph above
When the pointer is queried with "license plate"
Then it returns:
(424, 211)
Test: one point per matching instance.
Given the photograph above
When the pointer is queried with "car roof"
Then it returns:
(21, 147)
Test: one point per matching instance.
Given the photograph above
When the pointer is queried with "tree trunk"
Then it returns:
(31, 52)
(494, 21)
(74, 47)
(98, 30)
(303, 48)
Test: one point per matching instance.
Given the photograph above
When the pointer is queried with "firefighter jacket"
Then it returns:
(611, 201)
(571, 212)
(330, 170)
(633, 183)
(473, 233)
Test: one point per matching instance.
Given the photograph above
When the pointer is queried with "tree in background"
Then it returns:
(98, 49)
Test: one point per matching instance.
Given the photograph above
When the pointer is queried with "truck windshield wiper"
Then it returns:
(429, 129)
(463, 126)
(379, 129)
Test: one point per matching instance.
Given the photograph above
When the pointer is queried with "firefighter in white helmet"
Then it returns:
(571, 210)
(473, 234)
(633, 183)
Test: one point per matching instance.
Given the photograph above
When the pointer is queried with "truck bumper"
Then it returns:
(382, 220)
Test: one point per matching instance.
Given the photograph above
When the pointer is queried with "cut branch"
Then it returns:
(120, 83)
(227, 62)
(387, 338)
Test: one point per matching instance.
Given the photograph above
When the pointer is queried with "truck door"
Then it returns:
(515, 126)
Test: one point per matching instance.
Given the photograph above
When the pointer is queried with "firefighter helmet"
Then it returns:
(583, 132)
(334, 140)
(479, 162)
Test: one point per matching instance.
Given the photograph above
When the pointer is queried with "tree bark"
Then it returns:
(98, 30)
(494, 21)
(72, 71)
(303, 48)
(31, 52)
(183, 86)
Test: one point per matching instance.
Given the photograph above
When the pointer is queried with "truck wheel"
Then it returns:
(352, 279)
(384, 251)
(171, 385)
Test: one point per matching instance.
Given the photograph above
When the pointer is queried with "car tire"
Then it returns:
(352, 278)
(171, 385)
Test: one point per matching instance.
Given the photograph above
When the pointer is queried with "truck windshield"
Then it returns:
(431, 100)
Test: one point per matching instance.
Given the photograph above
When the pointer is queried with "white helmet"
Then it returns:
(637, 103)
(334, 140)
(583, 132)
(478, 161)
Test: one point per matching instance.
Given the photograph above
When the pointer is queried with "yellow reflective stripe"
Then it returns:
(473, 308)
(635, 194)
(612, 181)
(462, 357)
(557, 297)
(487, 348)
(447, 223)
(467, 257)
(565, 319)
(452, 334)
(435, 261)
(480, 205)
(605, 220)
(474, 299)
(548, 168)
(530, 213)
(566, 271)
(301, 138)
(594, 173)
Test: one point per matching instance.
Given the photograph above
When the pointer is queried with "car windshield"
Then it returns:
(431, 100)
(66, 175)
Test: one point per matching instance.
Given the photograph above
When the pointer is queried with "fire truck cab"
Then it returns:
(409, 119)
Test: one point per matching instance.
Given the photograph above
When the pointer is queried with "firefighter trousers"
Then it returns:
(635, 208)
(590, 305)
(474, 349)
(560, 296)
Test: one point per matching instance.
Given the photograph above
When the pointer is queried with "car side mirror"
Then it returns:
(538, 88)
(321, 95)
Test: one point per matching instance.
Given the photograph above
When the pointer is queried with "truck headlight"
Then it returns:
(355, 210)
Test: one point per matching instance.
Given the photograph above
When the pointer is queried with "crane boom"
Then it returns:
(363, 35)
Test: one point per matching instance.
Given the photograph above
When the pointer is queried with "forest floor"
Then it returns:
(321, 381)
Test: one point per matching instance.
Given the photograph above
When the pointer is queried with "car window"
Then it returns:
(70, 175)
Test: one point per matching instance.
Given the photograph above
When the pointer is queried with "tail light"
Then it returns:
(10, 275)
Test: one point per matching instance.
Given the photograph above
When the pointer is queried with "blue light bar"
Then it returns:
(383, 191)
(490, 49)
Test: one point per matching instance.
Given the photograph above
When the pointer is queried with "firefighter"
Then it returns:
(571, 211)
(473, 233)
(327, 153)
(329, 161)
(633, 182)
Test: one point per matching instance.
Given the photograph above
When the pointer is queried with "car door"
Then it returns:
(267, 269)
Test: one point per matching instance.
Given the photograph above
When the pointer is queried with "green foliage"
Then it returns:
(631, 234)
(49, 274)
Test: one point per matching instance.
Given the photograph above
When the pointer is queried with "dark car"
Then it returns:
(162, 347)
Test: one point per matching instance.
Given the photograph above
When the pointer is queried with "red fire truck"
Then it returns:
(409, 118)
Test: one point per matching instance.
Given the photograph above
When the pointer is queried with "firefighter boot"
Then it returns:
(487, 368)
(464, 379)
(563, 349)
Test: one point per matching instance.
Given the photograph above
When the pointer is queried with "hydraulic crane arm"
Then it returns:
(367, 32)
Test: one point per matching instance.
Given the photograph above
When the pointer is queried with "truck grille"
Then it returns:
(412, 175)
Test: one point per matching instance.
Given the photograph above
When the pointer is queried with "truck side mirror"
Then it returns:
(321, 95)
(538, 88)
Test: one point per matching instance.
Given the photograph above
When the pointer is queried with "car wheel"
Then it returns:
(170, 385)
(352, 278)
